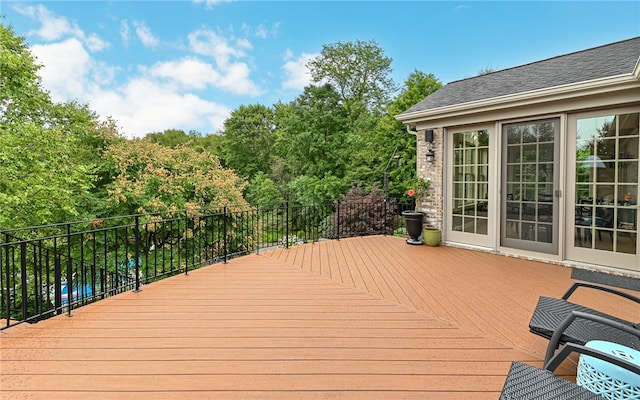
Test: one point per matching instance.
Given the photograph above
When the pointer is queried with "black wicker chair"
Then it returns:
(525, 382)
(562, 321)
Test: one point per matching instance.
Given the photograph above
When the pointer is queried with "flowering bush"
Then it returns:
(420, 190)
(291, 240)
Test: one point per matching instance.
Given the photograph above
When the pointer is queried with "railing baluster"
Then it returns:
(224, 234)
(186, 242)
(69, 272)
(287, 225)
(137, 252)
(57, 277)
(23, 278)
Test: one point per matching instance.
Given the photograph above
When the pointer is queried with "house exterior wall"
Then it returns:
(432, 206)
(435, 206)
(603, 96)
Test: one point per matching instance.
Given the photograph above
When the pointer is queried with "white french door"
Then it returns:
(530, 171)
(603, 151)
(470, 197)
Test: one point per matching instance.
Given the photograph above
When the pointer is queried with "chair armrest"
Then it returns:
(569, 348)
(554, 342)
(576, 285)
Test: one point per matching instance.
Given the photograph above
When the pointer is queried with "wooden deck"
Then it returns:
(361, 318)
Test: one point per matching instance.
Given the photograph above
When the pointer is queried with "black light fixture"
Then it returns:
(431, 155)
(428, 135)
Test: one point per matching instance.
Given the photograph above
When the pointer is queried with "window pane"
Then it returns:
(470, 179)
(607, 182)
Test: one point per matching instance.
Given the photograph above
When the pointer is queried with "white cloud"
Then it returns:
(208, 43)
(210, 3)
(143, 106)
(65, 68)
(55, 28)
(297, 74)
(167, 94)
(228, 74)
(188, 73)
(192, 73)
(261, 31)
(144, 34)
(94, 43)
(236, 80)
(124, 33)
(158, 98)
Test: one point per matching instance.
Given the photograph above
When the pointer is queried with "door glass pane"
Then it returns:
(470, 182)
(529, 207)
(607, 151)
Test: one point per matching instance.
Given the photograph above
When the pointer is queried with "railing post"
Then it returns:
(69, 272)
(7, 279)
(338, 222)
(384, 215)
(256, 233)
(287, 224)
(57, 277)
(186, 241)
(23, 279)
(224, 234)
(136, 234)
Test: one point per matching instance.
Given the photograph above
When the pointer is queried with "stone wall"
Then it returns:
(433, 205)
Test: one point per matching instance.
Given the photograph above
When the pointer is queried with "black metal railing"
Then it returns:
(53, 269)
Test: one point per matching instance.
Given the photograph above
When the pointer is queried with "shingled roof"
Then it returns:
(619, 58)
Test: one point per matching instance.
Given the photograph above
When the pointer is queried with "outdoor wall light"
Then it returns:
(428, 135)
(431, 155)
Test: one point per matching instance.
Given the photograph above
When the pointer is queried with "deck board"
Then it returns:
(361, 318)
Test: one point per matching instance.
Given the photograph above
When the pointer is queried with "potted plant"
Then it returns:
(431, 236)
(414, 218)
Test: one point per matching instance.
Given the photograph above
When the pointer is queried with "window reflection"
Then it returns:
(607, 182)
(470, 182)
(529, 181)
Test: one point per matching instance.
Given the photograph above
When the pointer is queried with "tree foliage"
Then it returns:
(171, 137)
(47, 151)
(40, 182)
(360, 73)
(263, 191)
(391, 134)
(312, 135)
(22, 99)
(60, 162)
(151, 178)
(248, 139)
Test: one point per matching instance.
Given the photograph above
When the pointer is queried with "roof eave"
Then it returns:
(556, 93)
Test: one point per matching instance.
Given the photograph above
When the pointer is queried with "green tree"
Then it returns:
(211, 143)
(22, 99)
(151, 178)
(391, 134)
(264, 192)
(312, 136)
(360, 73)
(248, 139)
(40, 179)
(307, 190)
(171, 137)
(47, 165)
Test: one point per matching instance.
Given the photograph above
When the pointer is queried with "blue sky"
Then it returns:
(156, 65)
